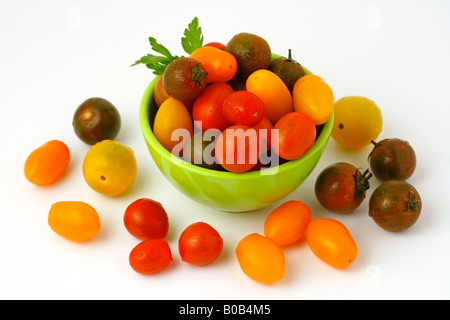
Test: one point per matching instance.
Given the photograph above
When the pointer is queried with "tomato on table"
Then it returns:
(150, 256)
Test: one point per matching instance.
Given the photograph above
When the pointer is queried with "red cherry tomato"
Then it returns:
(200, 244)
(207, 109)
(150, 256)
(220, 65)
(243, 107)
(296, 135)
(217, 45)
(146, 219)
(237, 148)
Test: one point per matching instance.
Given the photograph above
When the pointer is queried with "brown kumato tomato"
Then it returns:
(392, 159)
(341, 187)
(395, 205)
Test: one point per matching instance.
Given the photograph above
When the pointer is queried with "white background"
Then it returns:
(56, 54)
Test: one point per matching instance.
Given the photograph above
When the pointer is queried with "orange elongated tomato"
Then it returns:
(287, 223)
(74, 220)
(331, 242)
(261, 259)
(220, 65)
(272, 91)
(47, 163)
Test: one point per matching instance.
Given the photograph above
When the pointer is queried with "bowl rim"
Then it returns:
(167, 155)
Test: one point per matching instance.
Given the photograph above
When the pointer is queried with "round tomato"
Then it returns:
(220, 65)
(243, 107)
(218, 45)
(264, 132)
(331, 242)
(150, 256)
(207, 110)
(146, 219)
(237, 148)
(200, 244)
(357, 122)
(296, 135)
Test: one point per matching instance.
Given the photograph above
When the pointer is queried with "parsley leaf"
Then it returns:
(193, 38)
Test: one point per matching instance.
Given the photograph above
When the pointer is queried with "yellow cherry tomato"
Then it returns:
(357, 121)
(110, 167)
(313, 96)
(74, 220)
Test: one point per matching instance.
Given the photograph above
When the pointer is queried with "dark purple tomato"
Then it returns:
(395, 205)
(341, 187)
(392, 159)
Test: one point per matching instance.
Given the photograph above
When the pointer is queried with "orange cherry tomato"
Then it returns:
(287, 223)
(207, 109)
(173, 115)
(313, 96)
(74, 220)
(296, 135)
(200, 244)
(47, 163)
(331, 242)
(220, 65)
(237, 148)
(261, 259)
(150, 256)
(272, 91)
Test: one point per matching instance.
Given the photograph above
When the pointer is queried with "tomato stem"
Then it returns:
(362, 183)
(413, 204)
(198, 74)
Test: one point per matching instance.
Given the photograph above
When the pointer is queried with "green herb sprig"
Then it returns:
(191, 41)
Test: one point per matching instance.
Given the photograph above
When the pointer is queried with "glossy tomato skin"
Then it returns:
(220, 65)
(146, 219)
(200, 244)
(395, 205)
(392, 159)
(296, 135)
(341, 187)
(150, 256)
(216, 44)
(243, 107)
(184, 79)
(207, 110)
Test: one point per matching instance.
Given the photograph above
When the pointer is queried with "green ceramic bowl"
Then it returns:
(227, 191)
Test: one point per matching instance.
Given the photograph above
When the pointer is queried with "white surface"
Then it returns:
(56, 54)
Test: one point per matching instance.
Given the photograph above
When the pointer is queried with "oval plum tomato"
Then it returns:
(74, 220)
(237, 148)
(261, 259)
(200, 244)
(150, 256)
(184, 78)
(146, 219)
(395, 205)
(287, 223)
(392, 159)
(172, 115)
(215, 44)
(331, 242)
(243, 107)
(272, 91)
(313, 96)
(207, 111)
(296, 135)
(47, 163)
(341, 187)
(220, 65)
